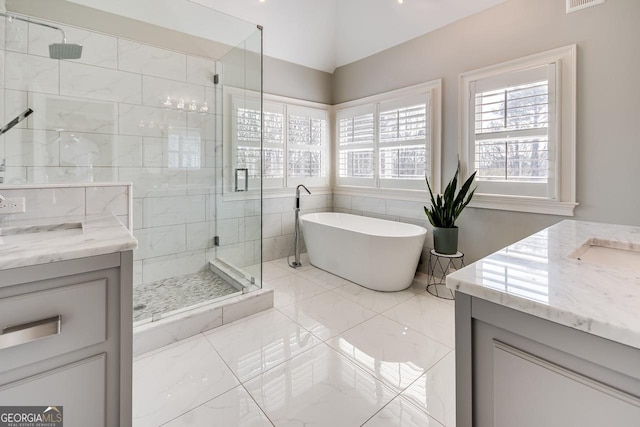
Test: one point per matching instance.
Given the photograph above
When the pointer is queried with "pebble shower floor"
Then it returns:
(171, 294)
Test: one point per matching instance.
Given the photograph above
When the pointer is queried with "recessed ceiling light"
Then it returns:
(399, 1)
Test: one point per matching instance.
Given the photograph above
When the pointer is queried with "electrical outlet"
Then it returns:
(15, 205)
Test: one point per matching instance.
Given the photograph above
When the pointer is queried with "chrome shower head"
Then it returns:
(62, 50)
(65, 51)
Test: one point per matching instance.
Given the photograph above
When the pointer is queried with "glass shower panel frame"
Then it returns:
(239, 199)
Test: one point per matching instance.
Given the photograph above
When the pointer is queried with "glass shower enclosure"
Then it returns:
(239, 198)
(166, 96)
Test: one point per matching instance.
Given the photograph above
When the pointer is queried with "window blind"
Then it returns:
(403, 124)
(247, 134)
(356, 130)
(403, 140)
(386, 144)
(518, 132)
(512, 129)
(306, 130)
(307, 145)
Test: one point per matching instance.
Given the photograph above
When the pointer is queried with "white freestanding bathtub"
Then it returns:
(374, 253)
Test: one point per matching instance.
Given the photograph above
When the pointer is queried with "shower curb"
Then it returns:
(153, 335)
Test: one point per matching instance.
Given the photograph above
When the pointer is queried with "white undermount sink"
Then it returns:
(65, 228)
(609, 253)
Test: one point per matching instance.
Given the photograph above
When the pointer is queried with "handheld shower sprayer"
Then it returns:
(6, 128)
(296, 242)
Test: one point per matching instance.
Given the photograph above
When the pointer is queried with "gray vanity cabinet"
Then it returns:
(515, 369)
(67, 338)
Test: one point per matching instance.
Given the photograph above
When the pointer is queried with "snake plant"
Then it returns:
(445, 208)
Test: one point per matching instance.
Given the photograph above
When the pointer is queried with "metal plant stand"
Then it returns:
(442, 264)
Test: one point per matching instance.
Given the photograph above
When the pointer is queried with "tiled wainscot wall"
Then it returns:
(239, 226)
(69, 200)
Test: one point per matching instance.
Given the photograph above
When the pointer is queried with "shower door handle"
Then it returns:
(245, 178)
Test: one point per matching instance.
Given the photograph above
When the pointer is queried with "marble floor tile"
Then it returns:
(323, 278)
(234, 408)
(269, 271)
(284, 263)
(169, 383)
(374, 300)
(295, 378)
(435, 391)
(428, 315)
(327, 315)
(451, 302)
(292, 288)
(390, 351)
(257, 344)
(419, 283)
(318, 388)
(400, 413)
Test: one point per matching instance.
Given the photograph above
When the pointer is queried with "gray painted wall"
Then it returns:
(608, 106)
(295, 81)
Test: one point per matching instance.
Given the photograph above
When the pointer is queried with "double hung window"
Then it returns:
(388, 141)
(518, 133)
(307, 146)
(404, 142)
(514, 132)
(295, 142)
(247, 141)
(356, 131)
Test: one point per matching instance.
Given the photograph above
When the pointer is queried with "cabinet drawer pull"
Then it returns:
(22, 334)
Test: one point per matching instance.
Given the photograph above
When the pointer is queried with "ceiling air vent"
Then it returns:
(576, 5)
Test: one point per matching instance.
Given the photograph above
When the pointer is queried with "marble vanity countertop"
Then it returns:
(39, 241)
(549, 275)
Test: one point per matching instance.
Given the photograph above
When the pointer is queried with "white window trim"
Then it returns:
(383, 193)
(285, 190)
(435, 89)
(565, 58)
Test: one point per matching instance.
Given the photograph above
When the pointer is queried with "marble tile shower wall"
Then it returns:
(55, 201)
(102, 119)
(394, 210)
